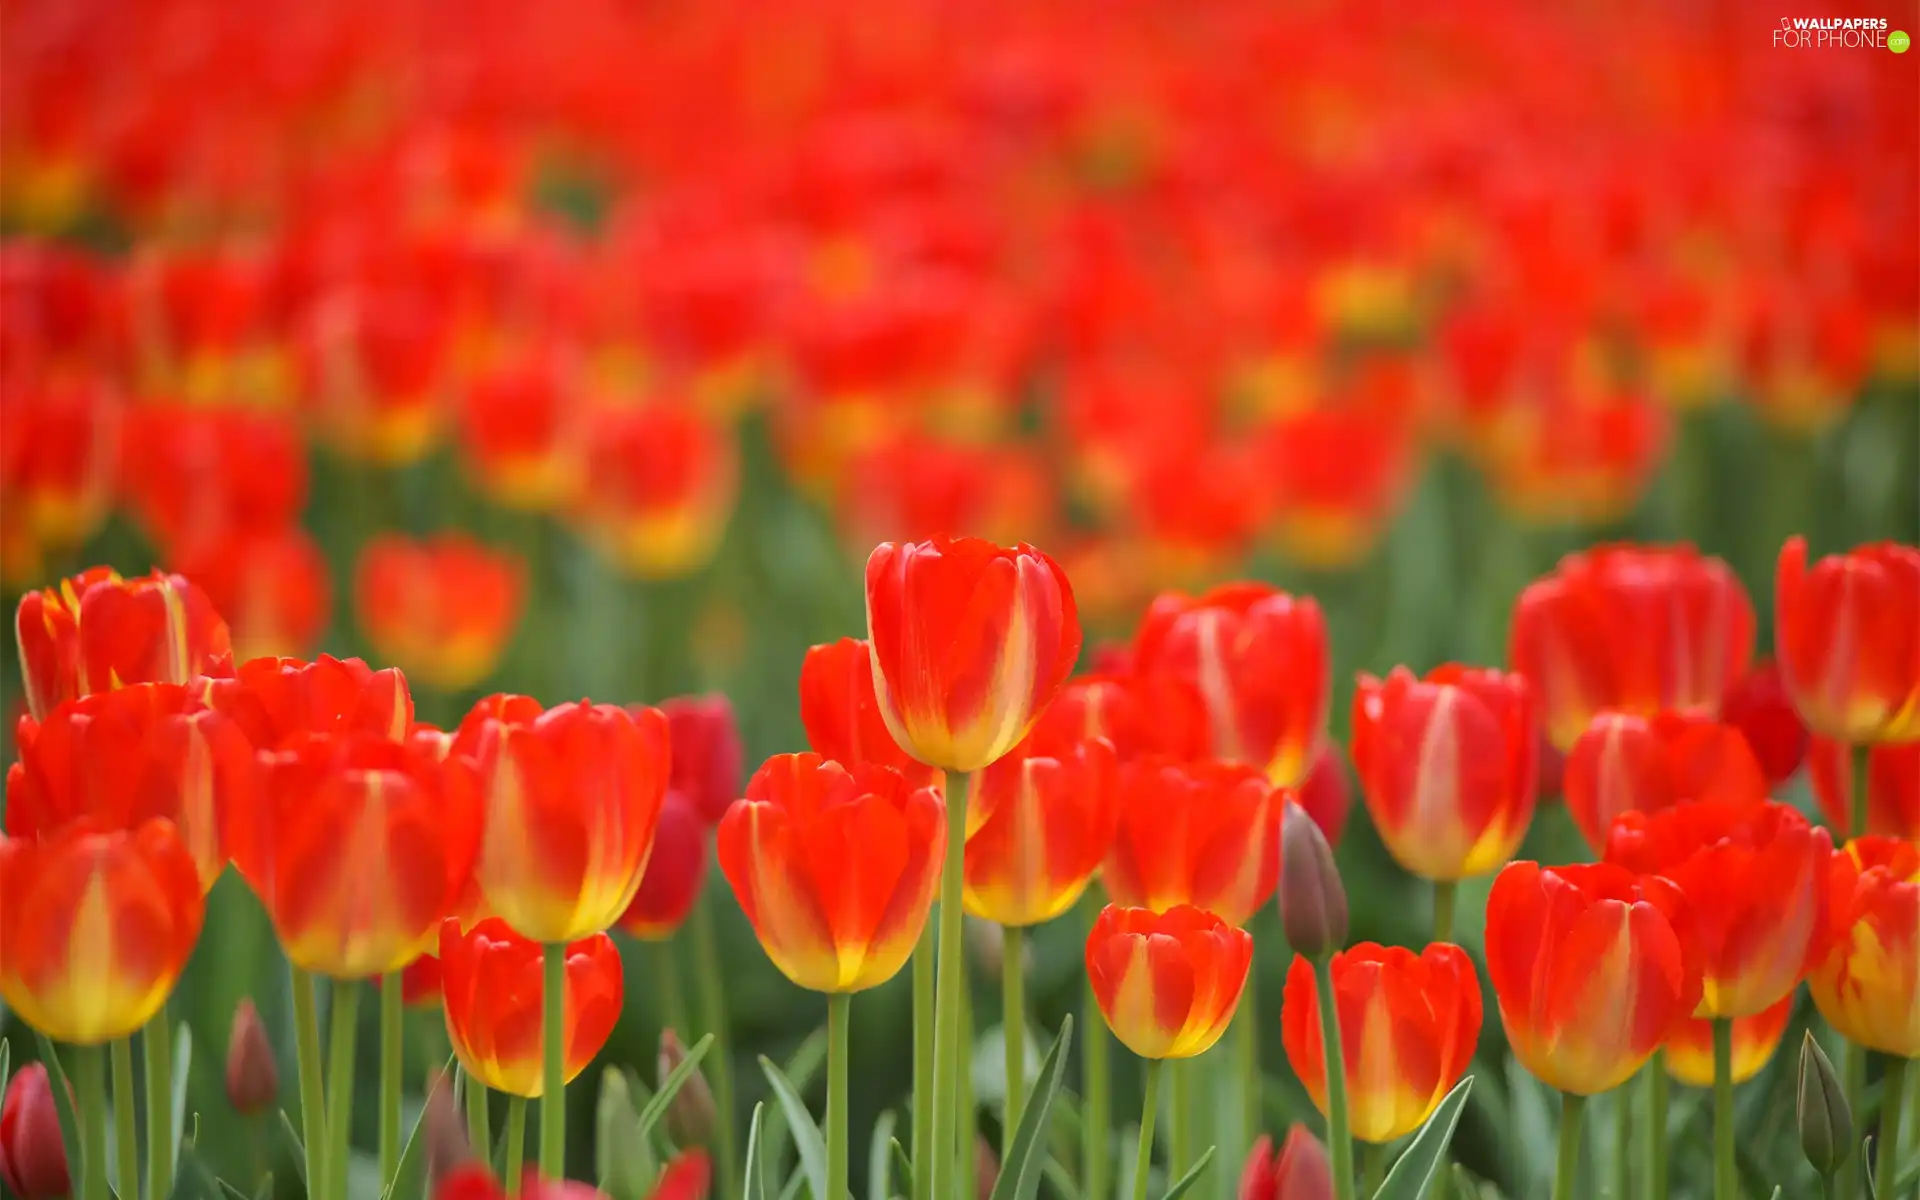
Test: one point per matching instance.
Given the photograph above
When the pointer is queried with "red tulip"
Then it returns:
(194, 474)
(1138, 714)
(494, 989)
(1626, 763)
(842, 714)
(1167, 983)
(1848, 634)
(63, 443)
(1755, 1038)
(660, 486)
(1047, 821)
(1325, 795)
(1758, 706)
(520, 435)
(1204, 834)
(1867, 985)
(675, 872)
(1893, 786)
(1298, 1171)
(33, 1160)
(706, 752)
(272, 587)
(276, 700)
(441, 609)
(98, 631)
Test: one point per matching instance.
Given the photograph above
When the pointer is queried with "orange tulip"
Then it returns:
(360, 849)
(493, 990)
(572, 797)
(841, 712)
(675, 871)
(1848, 635)
(1447, 766)
(1633, 628)
(1867, 985)
(970, 641)
(97, 925)
(1893, 786)
(1408, 1026)
(1047, 819)
(441, 609)
(272, 587)
(1138, 714)
(1205, 834)
(127, 756)
(1260, 661)
(836, 867)
(1167, 983)
(276, 700)
(1625, 762)
(1751, 875)
(1755, 1038)
(97, 631)
(1566, 944)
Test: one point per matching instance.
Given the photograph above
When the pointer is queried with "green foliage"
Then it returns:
(1420, 1164)
(1020, 1173)
(806, 1134)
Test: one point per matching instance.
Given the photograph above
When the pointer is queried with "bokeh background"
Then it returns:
(586, 348)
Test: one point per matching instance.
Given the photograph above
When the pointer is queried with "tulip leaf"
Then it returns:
(1064, 1188)
(624, 1165)
(1417, 1167)
(1185, 1183)
(877, 1155)
(755, 1184)
(1866, 1168)
(670, 1086)
(410, 1174)
(230, 1191)
(1776, 1192)
(802, 1068)
(794, 1182)
(182, 1068)
(903, 1165)
(299, 1149)
(806, 1134)
(6, 1065)
(265, 1190)
(1020, 1173)
(62, 1098)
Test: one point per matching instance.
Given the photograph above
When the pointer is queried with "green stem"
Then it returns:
(839, 1010)
(1893, 1094)
(90, 1083)
(1013, 1023)
(126, 1137)
(156, 1048)
(1726, 1183)
(553, 1065)
(345, 1026)
(1444, 891)
(923, 1060)
(965, 1145)
(1096, 1069)
(1623, 1105)
(713, 1010)
(1657, 1084)
(673, 991)
(1149, 1108)
(1853, 1080)
(392, 1033)
(479, 1118)
(1245, 1031)
(946, 1016)
(1339, 1142)
(516, 1143)
(1862, 778)
(313, 1117)
(1180, 1117)
(1373, 1168)
(1567, 1168)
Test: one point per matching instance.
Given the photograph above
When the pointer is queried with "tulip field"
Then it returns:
(649, 600)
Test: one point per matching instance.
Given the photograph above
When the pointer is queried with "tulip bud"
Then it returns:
(32, 1161)
(1313, 901)
(1820, 1110)
(986, 1167)
(253, 1080)
(691, 1115)
(444, 1129)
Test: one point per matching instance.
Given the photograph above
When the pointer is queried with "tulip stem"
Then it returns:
(713, 1007)
(1444, 891)
(1862, 782)
(516, 1142)
(1179, 1117)
(1893, 1094)
(156, 1048)
(965, 1146)
(479, 1118)
(1149, 1108)
(1567, 1168)
(1657, 1126)
(1339, 1143)
(1013, 1024)
(1853, 1081)
(313, 1118)
(1096, 1117)
(126, 1138)
(553, 1065)
(345, 1022)
(90, 1083)
(1726, 1183)
(1623, 1098)
(1245, 1031)
(923, 954)
(392, 1031)
(839, 1012)
(950, 981)
(673, 992)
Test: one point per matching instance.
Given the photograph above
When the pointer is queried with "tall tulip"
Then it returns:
(97, 631)
(1624, 762)
(1847, 631)
(1204, 834)
(841, 712)
(491, 983)
(1167, 982)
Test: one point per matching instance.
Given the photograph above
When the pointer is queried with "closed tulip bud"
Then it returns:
(445, 1130)
(1299, 1171)
(986, 1167)
(1313, 901)
(32, 1159)
(691, 1115)
(1820, 1110)
(253, 1081)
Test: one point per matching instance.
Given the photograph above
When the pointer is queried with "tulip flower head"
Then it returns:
(494, 987)
(33, 1160)
(1326, 794)
(1167, 983)
(1847, 631)
(835, 867)
(1408, 1026)
(1138, 714)
(1629, 763)
(253, 1081)
(1313, 901)
(706, 766)
(1204, 834)
(970, 641)
(97, 631)
(1759, 707)
(842, 714)
(1893, 786)
(1299, 1170)
(1868, 984)
(1447, 766)
(1047, 819)
(675, 872)
(278, 700)
(442, 609)
(1690, 1050)
(1593, 968)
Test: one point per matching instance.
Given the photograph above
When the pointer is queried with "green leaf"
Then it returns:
(6, 1065)
(1064, 1188)
(903, 1166)
(62, 1098)
(1776, 1192)
(1020, 1172)
(1866, 1166)
(1421, 1162)
(265, 1190)
(230, 1191)
(293, 1140)
(182, 1068)
(1185, 1183)
(755, 1185)
(410, 1175)
(670, 1086)
(624, 1164)
(877, 1156)
(806, 1134)
(794, 1182)
(802, 1067)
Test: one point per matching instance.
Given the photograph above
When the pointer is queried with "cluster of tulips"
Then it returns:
(954, 756)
